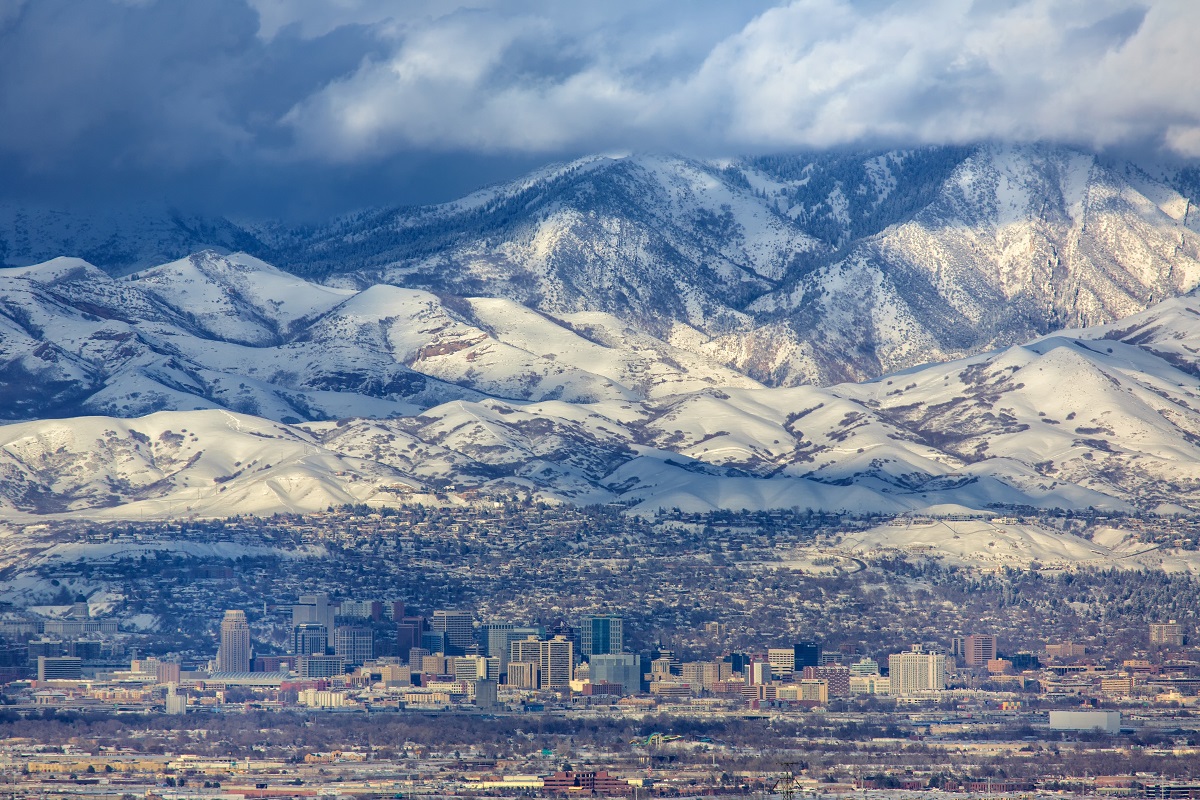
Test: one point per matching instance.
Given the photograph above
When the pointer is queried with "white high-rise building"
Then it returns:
(557, 662)
(916, 671)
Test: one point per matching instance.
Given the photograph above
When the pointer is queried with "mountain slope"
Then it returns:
(1105, 417)
(800, 269)
(232, 332)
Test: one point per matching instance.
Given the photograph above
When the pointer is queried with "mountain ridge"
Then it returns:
(1103, 418)
(763, 265)
(992, 326)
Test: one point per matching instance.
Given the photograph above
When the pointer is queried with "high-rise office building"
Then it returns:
(601, 635)
(558, 659)
(497, 639)
(354, 643)
(233, 654)
(958, 646)
(807, 654)
(527, 650)
(408, 631)
(311, 667)
(475, 668)
(459, 628)
(702, 674)
(865, 666)
(783, 661)
(523, 674)
(916, 671)
(758, 672)
(435, 642)
(315, 608)
(361, 610)
(309, 639)
(979, 649)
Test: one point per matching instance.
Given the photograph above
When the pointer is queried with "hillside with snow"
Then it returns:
(984, 328)
(1105, 417)
(233, 332)
(799, 269)
(795, 269)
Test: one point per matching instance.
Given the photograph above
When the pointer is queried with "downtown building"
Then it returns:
(233, 654)
(308, 639)
(916, 672)
(354, 643)
(458, 628)
(557, 662)
(978, 649)
(601, 635)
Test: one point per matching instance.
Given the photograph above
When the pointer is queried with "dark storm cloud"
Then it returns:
(298, 103)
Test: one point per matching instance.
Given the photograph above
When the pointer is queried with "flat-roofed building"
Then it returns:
(523, 675)
(979, 649)
(782, 661)
(557, 662)
(601, 635)
(321, 666)
(1168, 634)
(59, 668)
(916, 672)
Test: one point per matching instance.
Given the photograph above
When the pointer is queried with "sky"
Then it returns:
(299, 108)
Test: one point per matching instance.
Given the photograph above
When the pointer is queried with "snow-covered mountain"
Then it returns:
(801, 269)
(648, 330)
(1105, 417)
(212, 331)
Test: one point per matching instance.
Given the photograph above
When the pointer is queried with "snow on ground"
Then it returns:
(815, 561)
(992, 544)
(141, 622)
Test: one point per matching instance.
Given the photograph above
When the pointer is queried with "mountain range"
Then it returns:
(979, 327)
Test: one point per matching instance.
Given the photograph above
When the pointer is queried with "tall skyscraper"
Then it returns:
(316, 608)
(354, 643)
(233, 655)
(807, 654)
(979, 649)
(459, 628)
(558, 659)
(916, 671)
(601, 635)
(527, 650)
(783, 661)
(309, 639)
(497, 639)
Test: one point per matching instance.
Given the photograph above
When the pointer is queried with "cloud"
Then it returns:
(146, 91)
(813, 73)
